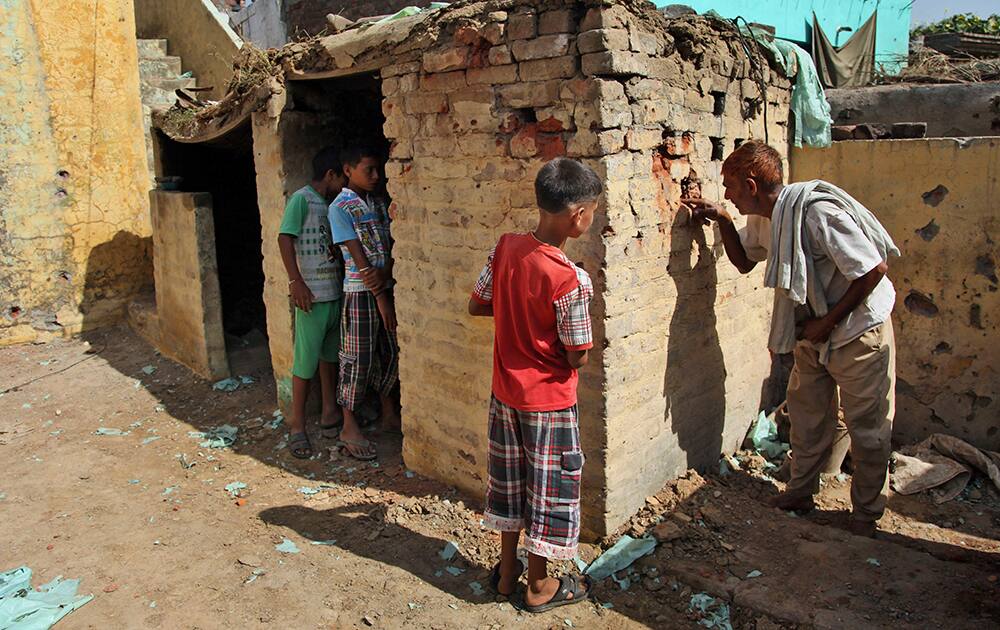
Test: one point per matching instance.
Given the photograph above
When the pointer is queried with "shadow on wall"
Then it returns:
(695, 380)
(117, 271)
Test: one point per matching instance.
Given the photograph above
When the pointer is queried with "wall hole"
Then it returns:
(933, 197)
(719, 105)
(718, 149)
(15, 311)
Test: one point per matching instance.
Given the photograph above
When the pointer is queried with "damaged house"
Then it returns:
(468, 102)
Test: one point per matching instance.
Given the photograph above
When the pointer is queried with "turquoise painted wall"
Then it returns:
(792, 20)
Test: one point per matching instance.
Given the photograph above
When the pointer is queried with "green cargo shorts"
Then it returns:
(317, 337)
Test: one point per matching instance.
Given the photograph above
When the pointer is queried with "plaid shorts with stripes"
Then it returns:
(535, 464)
(369, 353)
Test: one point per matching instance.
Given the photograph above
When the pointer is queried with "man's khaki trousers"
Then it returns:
(865, 373)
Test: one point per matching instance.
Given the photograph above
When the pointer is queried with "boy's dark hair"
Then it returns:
(563, 183)
(353, 154)
(328, 159)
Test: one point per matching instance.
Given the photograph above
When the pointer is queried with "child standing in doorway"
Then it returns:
(539, 302)
(314, 283)
(369, 352)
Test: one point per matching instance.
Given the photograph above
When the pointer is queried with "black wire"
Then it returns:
(756, 70)
(60, 371)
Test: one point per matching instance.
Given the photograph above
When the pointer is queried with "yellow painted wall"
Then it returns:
(74, 211)
(947, 311)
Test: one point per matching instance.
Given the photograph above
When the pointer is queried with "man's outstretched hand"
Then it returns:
(704, 211)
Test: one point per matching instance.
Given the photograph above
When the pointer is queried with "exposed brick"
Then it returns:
(522, 144)
(605, 17)
(497, 16)
(543, 69)
(492, 75)
(643, 138)
(590, 89)
(499, 56)
(408, 82)
(521, 26)
(420, 103)
(540, 47)
(447, 59)
(615, 63)
(602, 39)
(443, 81)
(602, 114)
(539, 94)
(644, 42)
(555, 22)
(494, 32)
(586, 143)
(467, 35)
(554, 119)
(400, 68)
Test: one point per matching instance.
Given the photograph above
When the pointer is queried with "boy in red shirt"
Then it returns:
(539, 302)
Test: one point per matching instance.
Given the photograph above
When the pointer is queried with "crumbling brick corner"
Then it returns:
(653, 105)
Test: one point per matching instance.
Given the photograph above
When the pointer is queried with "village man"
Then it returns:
(826, 258)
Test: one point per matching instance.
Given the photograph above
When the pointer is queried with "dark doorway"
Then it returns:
(224, 167)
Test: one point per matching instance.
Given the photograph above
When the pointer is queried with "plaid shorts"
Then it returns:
(535, 464)
(369, 354)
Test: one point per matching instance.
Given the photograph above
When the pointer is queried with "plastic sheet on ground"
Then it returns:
(234, 488)
(287, 546)
(764, 437)
(622, 554)
(110, 431)
(217, 437)
(714, 612)
(411, 10)
(23, 608)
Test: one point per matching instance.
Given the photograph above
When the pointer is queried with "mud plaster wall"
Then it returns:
(680, 354)
(938, 200)
(74, 215)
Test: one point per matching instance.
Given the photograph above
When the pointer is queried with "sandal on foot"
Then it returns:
(344, 447)
(568, 585)
(330, 431)
(495, 578)
(299, 446)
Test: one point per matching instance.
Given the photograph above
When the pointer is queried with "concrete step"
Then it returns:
(152, 48)
(160, 67)
(170, 83)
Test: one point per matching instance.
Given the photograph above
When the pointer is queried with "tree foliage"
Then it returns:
(962, 23)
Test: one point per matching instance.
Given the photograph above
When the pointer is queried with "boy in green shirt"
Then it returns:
(315, 277)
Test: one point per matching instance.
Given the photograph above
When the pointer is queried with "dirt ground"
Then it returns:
(145, 521)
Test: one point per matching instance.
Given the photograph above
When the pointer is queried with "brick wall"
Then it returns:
(681, 354)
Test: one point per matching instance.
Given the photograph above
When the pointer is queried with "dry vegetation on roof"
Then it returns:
(930, 66)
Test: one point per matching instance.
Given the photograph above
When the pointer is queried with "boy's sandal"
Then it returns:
(330, 431)
(299, 446)
(345, 448)
(568, 585)
(495, 578)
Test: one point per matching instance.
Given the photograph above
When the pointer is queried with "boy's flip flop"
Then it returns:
(568, 585)
(495, 577)
(344, 446)
(299, 446)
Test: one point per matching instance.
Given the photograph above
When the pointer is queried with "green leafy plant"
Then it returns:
(962, 23)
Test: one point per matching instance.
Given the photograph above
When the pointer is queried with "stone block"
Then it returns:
(560, 21)
(590, 89)
(494, 32)
(644, 42)
(499, 56)
(554, 119)
(653, 112)
(642, 138)
(492, 75)
(426, 103)
(443, 81)
(613, 16)
(408, 82)
(447, 59)
(540, 94)
(602, 39)
(615, 63)
(400, 68)
(521, 26)
(587, 143)
(602, 114)
(542, 47)
(544, 69)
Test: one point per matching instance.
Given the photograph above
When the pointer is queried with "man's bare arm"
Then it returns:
(703, 211)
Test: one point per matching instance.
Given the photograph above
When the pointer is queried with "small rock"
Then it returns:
(667, 531)
(653, 584)
(975, 494)
(111, 588)
(652, 501)
(992, 579)
(680, 517)
(368, 620)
